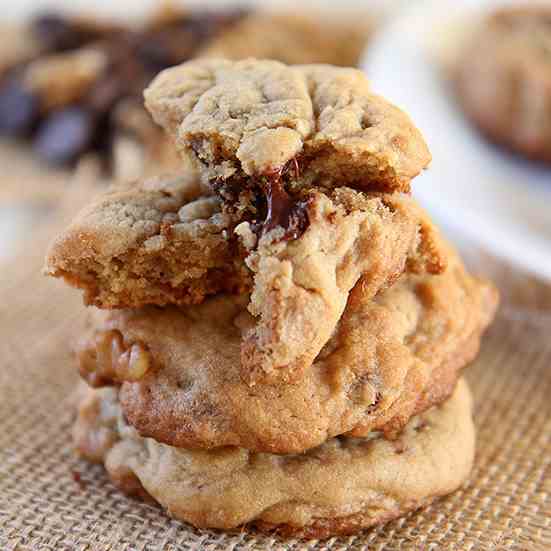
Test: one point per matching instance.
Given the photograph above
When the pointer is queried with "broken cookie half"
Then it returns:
(253, 124)
(161, 241)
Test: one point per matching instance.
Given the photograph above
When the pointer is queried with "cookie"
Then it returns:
(293, 39)
(20, 46)
(340, 487)
(255, 124)
(163, 242)
(389, 357)
(503, 79)
(159, 242)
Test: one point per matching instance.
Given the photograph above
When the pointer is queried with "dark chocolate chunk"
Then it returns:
(106, 93)
(19, 108)
(163, 49)
(285, 212)
(56, 33)
(65, 135)
(282, 209)
(126, 75)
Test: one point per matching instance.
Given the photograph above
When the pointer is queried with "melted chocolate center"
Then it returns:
(283, 210)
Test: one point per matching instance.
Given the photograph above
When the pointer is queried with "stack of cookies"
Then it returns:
(279, 335)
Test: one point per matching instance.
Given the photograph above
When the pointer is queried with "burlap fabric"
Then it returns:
(51, 501)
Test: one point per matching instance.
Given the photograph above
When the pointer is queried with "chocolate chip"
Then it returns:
(399, 447)
(19, 108)
(205, 25)
(285, 212)
(56, 33)
(106, 93)
(163, 49)
(65, 135)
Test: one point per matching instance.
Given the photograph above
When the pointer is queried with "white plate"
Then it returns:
(471, 187)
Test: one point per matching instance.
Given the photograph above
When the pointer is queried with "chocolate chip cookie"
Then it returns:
(340, 487)
(503, 79)
(256, 125)
(389, 357)
(294, 39)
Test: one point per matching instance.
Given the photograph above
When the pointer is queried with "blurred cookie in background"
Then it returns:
(294, 39)
(502, 78)
(140, 147)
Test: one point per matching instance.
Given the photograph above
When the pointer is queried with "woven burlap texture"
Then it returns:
(52, 501)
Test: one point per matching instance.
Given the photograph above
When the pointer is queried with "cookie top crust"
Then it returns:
(389, 357)
(339, 487)
(252, 118)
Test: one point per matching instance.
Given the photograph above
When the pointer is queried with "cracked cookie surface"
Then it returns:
(311, 495)
(248, 119)
(391, 356)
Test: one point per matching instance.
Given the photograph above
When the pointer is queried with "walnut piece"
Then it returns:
(110, 361)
